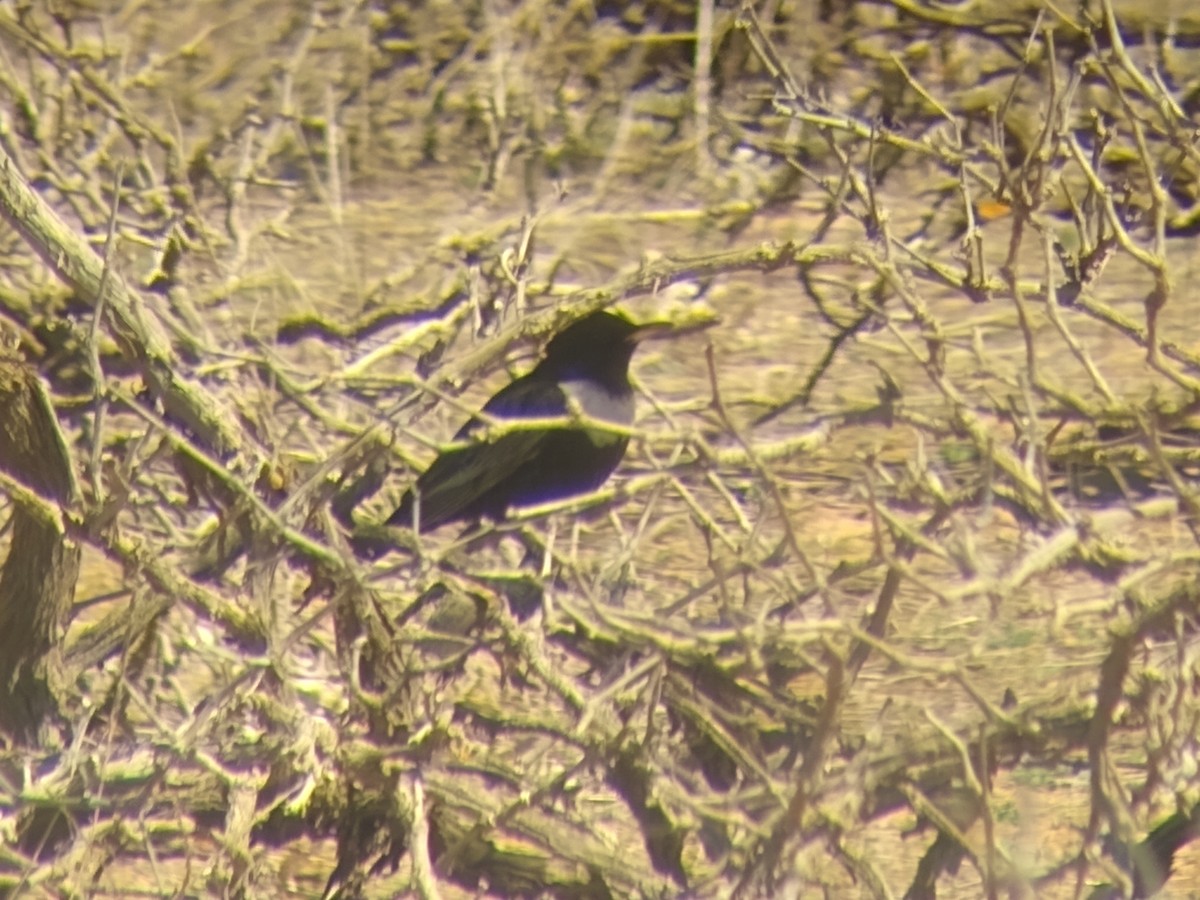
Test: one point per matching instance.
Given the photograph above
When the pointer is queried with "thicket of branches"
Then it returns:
(909, 542)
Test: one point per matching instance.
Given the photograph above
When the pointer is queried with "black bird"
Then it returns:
(585, 372)
(1150, 861)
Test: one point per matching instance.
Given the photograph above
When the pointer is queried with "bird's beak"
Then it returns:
(649, 331)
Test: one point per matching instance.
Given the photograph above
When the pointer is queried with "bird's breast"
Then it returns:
(597, 402)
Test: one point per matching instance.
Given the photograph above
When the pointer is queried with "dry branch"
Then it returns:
(37, 581)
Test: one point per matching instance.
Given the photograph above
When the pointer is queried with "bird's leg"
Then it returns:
(416, 523)
(548, 548)
(576, 531)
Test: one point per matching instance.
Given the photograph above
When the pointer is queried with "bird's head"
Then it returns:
(598, 346)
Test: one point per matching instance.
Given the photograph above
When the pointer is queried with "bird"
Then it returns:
(584, 373)
(1150, 861)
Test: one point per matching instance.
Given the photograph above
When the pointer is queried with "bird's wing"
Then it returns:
(528, 397)
(461, 476)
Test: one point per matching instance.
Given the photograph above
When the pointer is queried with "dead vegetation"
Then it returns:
(901, 572)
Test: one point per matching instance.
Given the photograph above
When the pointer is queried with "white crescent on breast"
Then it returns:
(597, 403)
